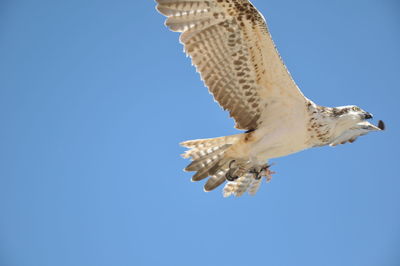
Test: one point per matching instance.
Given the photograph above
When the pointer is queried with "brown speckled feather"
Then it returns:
(232, 49)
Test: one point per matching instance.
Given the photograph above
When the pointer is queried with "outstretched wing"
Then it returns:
(231, 47)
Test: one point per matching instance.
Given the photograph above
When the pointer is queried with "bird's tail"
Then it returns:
(208, 159)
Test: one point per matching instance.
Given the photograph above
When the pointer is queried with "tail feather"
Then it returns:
(207, 157)
(209, 160)
(254, 186)
(200, 162)
(239, 186)
(215, 180)
(200, 175)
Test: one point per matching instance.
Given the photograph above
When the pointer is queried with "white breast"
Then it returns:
(281, 136)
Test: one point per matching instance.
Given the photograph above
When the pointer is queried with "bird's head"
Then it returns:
(350, 115)
(351, 122)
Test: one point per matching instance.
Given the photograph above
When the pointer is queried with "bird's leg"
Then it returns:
(256, 171)
(230, 175)
(261, 171)
(266, 172)
(236, 170)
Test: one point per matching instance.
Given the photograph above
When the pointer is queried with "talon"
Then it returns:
(266, 167)
(253, 171)
(230, 177)
(256, 173)
(268, 175)
(265, 172)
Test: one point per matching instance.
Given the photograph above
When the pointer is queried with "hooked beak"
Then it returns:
(381, 125)
(370, 127)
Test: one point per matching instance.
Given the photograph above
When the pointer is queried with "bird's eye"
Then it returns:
(355, 109)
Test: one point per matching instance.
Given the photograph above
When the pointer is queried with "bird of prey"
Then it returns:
(232, 49)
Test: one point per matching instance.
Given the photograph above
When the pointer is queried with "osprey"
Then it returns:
(230, 45)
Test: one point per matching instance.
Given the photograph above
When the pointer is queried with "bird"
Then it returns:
(230, 45)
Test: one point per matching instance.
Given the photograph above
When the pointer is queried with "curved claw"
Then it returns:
(229, 175)
(268, 174)
(265, 167)
(257, 174)
(230, 163)
(262, 171)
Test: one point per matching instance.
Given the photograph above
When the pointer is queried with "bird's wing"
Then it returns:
(231, 47)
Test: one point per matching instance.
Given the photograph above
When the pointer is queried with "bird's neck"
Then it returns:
(322, 126)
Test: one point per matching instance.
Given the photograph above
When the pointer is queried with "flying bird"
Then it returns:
(232, 49)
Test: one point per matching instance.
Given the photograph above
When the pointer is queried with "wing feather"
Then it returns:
(231, 47)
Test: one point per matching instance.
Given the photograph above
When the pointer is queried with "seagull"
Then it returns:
(230, 45)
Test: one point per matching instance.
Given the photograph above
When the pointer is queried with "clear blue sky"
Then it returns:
(96, 95)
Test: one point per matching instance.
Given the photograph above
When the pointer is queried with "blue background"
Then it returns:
(96, 95)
